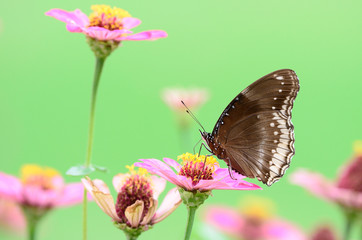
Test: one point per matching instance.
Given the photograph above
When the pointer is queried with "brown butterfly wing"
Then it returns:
(255, 130)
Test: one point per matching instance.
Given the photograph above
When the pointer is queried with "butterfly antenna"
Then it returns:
(192, 115)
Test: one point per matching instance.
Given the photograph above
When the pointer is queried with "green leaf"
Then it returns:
(80, 170)
(100, 168)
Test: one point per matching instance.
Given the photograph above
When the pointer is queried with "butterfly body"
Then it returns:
(254, 134)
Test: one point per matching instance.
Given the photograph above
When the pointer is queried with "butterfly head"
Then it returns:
(205, 136)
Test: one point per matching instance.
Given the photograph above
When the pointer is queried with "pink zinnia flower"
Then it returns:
(104, 24)
(192, 175)
(346, 191)
(193, 98)
(41, 188)
(137, 199)
(324, 233)
(11, 217)
(254, 222)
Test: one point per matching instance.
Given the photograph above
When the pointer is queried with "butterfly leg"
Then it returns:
(196, 145)
(203, 167)
(230, 171)
(203, 144)
(206, 156)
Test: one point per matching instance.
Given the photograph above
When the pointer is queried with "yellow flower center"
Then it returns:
(357, 147)
(197, 167)
(257, 208)
(106, 17)
(141, 171)
(35, 175)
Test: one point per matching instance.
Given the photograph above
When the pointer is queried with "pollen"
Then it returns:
(106, 17)
(197, 167)
(35, 175)
(141, 171)
(136, 186)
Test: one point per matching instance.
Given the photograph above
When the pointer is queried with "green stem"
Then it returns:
(33, 216)
(31, 230)
(97, 76)
(132, 235)
(85, 202)
(350, 217)
(190, 221)
(185, 138)
(129, 237)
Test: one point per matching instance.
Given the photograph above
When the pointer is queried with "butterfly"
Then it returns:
(254, 134)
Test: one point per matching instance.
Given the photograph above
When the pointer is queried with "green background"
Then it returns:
(46, 77)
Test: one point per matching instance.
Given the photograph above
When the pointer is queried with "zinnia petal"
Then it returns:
(103, 198)
(134, 213)
(193, 98)
(12, 217)
(225, 219)
(72, 194)
(171, 201)
(223, 173)
(76, 20)
(118, 181)
(105, 34)
(129, 22)
(186, 183)
(280, 230)
(158, 185)
(222, 185)
(172, 163)
(146, 35)
(313, 182)
(36, 196)
(158, 167)
(73, 28)
(10, 187)
(151, 211)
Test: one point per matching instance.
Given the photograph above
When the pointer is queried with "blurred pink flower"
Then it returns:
(137, 199)
(11, 217)
(104, 24)
(323, 233)
(346, 191)
(193, 175)
(254, 224)
(41, 188)
(193, 98)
